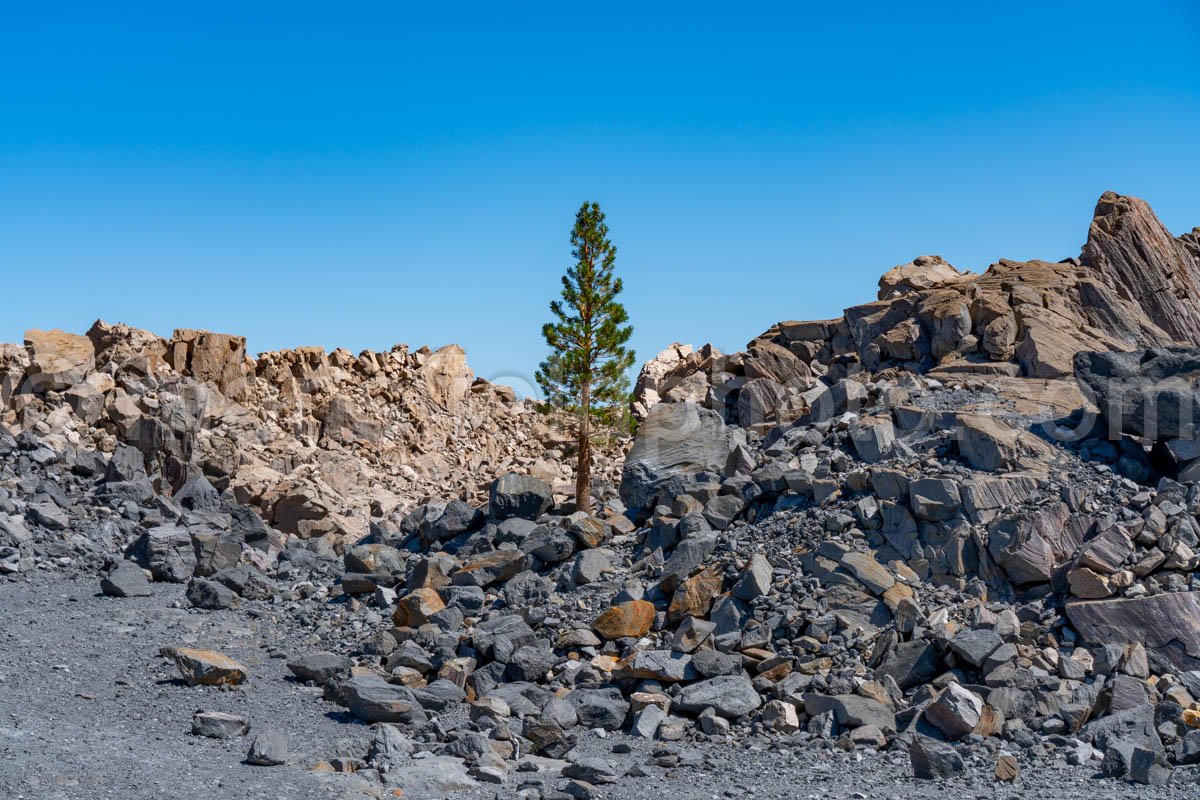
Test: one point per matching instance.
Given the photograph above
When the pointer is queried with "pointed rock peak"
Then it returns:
(1113, 211)
(1130, 250)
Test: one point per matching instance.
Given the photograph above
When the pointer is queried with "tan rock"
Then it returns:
(640, 700)
(869, 572)
(208, 667)
(988, 443)
(447, 376)
(1088, 584)
(457, 670)
(896, 594)
(920, 274)
(780, 716)
(415, 608)
(57, 360)
(127, 350)
(218, 358)
(1007, 768)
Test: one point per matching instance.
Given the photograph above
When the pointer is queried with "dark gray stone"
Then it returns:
(125, 579)
(319, 667)
(514, 495)
(731, 696)
(198, 495)
(600, 708)
(219, 725)
(932, 759)
(210, 595)
(1152, 393)
(167, 552)
(269, 749)
(373, 699)
(852, 711)
(911, 663)
(974, 646)
(125, 465)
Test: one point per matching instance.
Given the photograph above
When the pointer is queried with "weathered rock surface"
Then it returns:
(1167, 623)
(677, 445)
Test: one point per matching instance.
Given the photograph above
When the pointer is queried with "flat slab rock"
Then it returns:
(1169, 624)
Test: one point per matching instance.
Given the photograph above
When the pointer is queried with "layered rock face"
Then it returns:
(319, 443)
(1134, 285)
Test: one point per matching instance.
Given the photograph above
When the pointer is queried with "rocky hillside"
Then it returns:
(318, 443)
(951, 534)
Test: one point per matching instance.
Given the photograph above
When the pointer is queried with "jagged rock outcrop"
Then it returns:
(920, 274)
(1153, 277)
(1134, 285)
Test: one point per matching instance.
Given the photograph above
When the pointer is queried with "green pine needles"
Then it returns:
(586, 373)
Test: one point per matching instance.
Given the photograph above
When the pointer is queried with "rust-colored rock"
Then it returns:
(415, 608)
(632, 619)
(1007, 769)
(694, 596)
(218, 358)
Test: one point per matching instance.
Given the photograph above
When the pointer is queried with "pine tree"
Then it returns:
(586, 371)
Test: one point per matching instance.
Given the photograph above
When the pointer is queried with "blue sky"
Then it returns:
(380, 174)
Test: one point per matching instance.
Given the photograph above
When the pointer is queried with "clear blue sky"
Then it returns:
(362, 175)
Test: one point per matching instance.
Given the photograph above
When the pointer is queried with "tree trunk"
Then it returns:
(583, 468)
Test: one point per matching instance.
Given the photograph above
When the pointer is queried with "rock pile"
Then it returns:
(319, 444)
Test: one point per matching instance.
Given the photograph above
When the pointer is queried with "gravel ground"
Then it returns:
(88, 709)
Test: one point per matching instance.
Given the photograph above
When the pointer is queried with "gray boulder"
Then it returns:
(675, 445)
(956, 712)
(1152, 393)
(126, 464)
(319, 667)
(974, 646)
(910, 663)
(932, 759)
(125, 579)
(731, 696)
(198, 495)
(1167, 624)
(600, 708)
(852, 711)
(373, 699)
(219, 725)
(514, 495)
(210, 595)
(269, 749)
(874, 438)
(167, 552)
